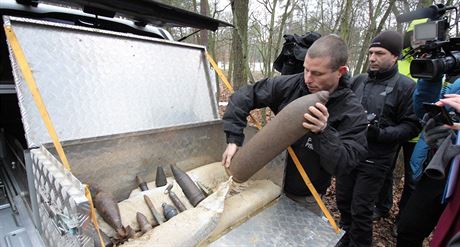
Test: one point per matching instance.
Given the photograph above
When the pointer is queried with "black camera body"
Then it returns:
(438, 55)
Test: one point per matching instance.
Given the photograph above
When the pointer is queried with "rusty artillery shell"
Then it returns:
(160, 179)
(277, 135)
(157, 219)
(176, 201)
(141, 183)
(143, 222)
(108, 209)
(168, 211)
(191, 191)
(110, 212)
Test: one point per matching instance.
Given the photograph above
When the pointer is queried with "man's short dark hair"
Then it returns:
(330, 46)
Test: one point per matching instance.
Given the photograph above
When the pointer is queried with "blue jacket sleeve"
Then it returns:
(426, 91)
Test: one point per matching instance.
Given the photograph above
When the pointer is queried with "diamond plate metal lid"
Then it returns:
(98, 83)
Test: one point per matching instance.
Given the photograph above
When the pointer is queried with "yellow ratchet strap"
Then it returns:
(227, 83)
(312, 189)
(93, 214)
(28, 77)
(302, 172)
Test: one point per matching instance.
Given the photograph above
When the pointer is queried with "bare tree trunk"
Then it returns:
(268, 62)
(376, 31)
(360, 68)
(322, 17)
(399, 26)
(345, 22)
(306, 15)
(337, 21)
(204, 10)
(196, 38)
(385, 16)
(240, 42)
(286, 13)
(406, 6)
(230, 62)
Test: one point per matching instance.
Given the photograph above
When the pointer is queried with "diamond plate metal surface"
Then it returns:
(99, 83)
(285, 223)
(62, 203)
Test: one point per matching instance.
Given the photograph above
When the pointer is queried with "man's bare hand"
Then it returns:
(316, 118)
(452, 100)
(228, 154)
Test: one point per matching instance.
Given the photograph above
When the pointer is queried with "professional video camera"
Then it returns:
(438, 54)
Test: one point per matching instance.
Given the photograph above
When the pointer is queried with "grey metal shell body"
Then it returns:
(276, 136)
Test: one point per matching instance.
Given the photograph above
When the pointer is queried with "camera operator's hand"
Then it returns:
(435, 133)
(316, 118)
(373, 132)
(452, 100)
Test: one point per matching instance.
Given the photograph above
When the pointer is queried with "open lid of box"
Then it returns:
(97, 83)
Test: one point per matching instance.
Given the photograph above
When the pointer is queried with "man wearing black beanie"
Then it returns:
(386, 95)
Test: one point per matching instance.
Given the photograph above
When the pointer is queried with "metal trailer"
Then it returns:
(122, 104)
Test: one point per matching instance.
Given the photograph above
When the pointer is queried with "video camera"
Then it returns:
(438, 55)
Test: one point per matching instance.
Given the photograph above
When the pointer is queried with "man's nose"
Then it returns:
(371, 57)
(307, 77)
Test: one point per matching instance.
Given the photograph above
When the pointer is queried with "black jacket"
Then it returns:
(397, 122)
(337, 149)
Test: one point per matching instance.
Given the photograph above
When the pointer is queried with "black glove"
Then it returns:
(435, 133)
(373, 132)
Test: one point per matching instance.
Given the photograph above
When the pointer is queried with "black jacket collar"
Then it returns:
(382, 75)
(341, 88)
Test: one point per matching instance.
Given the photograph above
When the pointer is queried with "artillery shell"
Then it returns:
(141, 183)
(191, 191)
(143, 222)
(169, 211)
(108, 209)
(157, 219)
(110, 212)
(285, 128)
(160, 179)
(176, 201)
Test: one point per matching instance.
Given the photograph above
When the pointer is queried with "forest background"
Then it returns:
(247, 51)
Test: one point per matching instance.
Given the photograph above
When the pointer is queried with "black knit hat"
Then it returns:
(390, 40)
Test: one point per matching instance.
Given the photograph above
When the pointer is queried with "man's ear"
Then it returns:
(343, 70)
